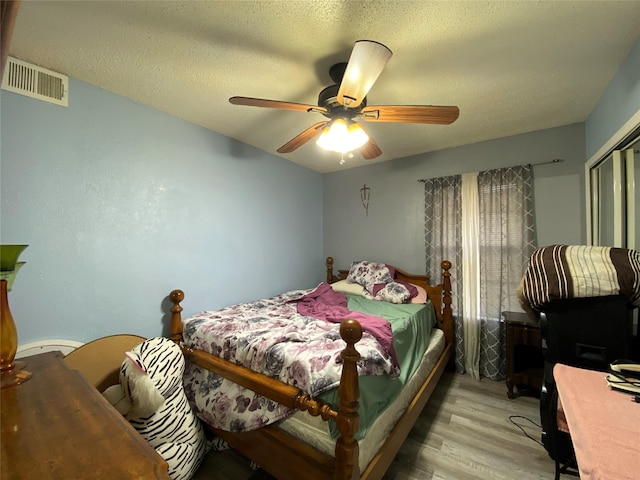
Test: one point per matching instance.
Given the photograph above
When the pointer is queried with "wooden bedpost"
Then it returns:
(175, 329)
(447, 313)
(329, 265)
(348, 421)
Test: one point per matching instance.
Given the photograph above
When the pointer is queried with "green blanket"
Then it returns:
(411, 325)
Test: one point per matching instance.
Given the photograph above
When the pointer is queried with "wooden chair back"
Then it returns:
(99, 360)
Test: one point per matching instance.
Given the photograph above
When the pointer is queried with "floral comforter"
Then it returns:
(270, 337)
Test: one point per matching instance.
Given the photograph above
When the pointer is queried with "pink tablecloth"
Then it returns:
(604, 424)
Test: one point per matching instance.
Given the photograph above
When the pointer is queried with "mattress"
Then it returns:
(315, 432)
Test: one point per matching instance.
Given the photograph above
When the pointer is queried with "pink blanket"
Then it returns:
(604, 424)
(325, 304)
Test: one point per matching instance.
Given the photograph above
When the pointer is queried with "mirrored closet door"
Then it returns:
(613, 193)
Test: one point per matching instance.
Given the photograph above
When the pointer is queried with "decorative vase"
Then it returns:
(11, 373)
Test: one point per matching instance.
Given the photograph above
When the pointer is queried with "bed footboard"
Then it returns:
(346, 417)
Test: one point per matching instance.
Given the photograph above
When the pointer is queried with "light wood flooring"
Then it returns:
(464, 433)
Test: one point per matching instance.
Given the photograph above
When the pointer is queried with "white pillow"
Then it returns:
(342, 286)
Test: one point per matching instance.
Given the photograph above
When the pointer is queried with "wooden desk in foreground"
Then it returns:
(57, 426)
(604, 424)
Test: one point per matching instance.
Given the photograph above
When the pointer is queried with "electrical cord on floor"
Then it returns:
(511, 419)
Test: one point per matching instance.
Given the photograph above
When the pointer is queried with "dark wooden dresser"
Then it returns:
(57, 426)
(525, 361)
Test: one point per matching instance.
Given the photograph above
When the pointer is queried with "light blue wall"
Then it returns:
(620, 101)
(121, 203)
(394, 229)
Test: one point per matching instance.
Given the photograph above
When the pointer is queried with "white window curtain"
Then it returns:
(471, 273)
(497, 236)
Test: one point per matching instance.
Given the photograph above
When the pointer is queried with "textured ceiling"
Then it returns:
(512, 67)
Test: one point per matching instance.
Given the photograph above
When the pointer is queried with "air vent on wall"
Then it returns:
(36, 82)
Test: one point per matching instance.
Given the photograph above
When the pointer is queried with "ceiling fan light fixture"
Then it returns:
(342, 136)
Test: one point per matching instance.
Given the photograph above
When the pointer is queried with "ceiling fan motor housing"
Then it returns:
(336, 72)
(328, 98)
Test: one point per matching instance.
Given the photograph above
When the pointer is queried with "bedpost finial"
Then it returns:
(175, 328)
(351, 331)
(176, 296)
(329, 263)
(446, 265)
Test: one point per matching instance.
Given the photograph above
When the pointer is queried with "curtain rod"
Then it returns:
(555, 160)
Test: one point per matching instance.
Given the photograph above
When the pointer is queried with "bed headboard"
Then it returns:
(440, 295)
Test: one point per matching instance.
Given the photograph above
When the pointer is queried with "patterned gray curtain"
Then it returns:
(507, 239)
(443, 241)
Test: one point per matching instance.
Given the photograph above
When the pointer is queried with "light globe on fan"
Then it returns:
(342, 136)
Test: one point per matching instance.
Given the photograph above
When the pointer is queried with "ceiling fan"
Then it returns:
(346, 101)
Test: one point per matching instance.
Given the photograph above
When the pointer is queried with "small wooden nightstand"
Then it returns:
(525, 361)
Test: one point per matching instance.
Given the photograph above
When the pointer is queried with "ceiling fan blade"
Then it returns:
(299, 140)
(370, 149)
(442, 115)
(261, 102)
(366, 62)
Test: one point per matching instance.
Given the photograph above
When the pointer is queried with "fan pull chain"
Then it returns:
(342, 160)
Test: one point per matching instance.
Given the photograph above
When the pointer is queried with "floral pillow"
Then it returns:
(413, 289)
(368, 274)
(392, 292)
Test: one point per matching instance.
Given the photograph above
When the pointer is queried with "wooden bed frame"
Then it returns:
(286, 457)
